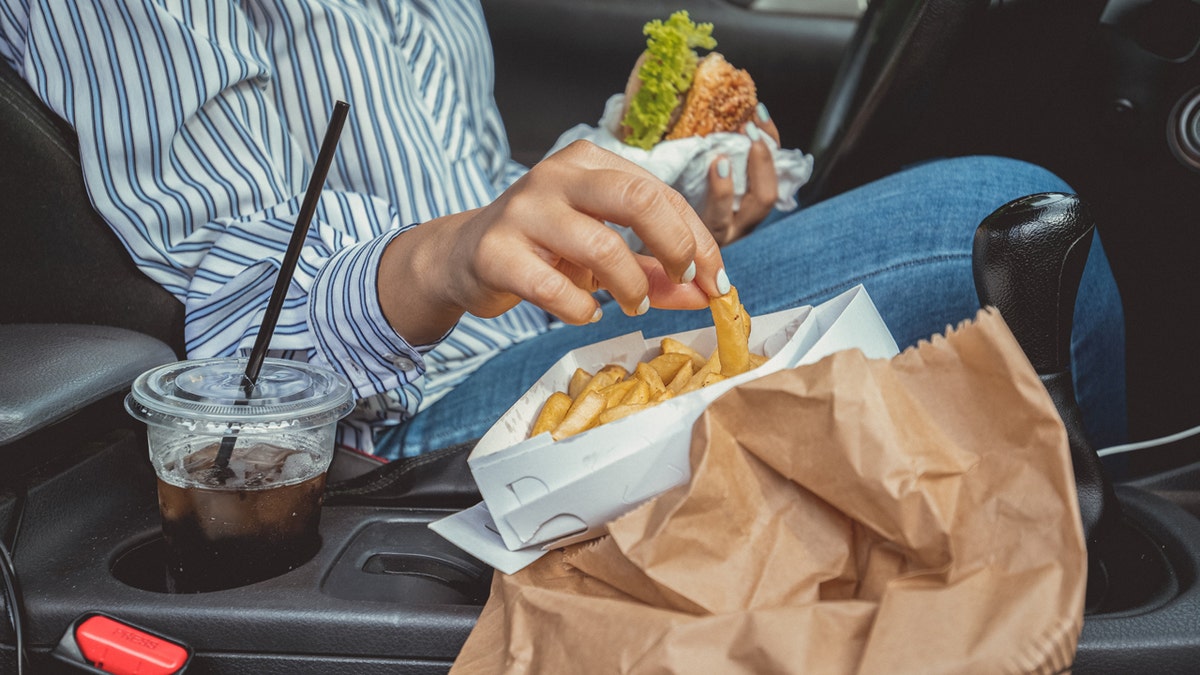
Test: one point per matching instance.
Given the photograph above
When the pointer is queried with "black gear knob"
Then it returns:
(1028, 261)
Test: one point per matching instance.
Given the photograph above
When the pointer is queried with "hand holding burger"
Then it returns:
(674, 93)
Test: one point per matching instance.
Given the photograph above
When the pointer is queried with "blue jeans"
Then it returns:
(907, 238)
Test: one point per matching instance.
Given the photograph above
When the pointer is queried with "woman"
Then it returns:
(439, 276)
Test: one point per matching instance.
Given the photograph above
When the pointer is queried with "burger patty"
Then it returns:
(721, 98)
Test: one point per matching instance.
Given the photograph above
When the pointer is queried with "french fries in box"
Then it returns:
(613, 392)
(543, 491)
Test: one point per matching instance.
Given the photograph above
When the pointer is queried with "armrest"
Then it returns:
(51, 371)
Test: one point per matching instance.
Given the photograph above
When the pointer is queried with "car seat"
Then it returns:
(78, 321)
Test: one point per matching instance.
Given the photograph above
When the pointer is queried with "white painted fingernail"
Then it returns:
(688, 274)
(644, 307)
(752, 132)
(723, 282)
(596, 315)
(723, 167)
(762, 112)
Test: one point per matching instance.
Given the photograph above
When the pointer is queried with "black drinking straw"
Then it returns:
(290, 258)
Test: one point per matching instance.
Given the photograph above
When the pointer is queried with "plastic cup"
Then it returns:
(259, 519)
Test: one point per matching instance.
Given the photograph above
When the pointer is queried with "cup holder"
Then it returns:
(1128, 571)
(440, 580)
(386, 561)
(143, 565)
(406, 563)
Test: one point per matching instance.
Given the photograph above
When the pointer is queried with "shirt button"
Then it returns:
(403, 363)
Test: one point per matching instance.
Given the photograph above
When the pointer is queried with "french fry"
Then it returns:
(640, 393)
(650, 376)
(615, 393)
(552, 413)
(669, 364)
(681, 378)
(607, 375)
(583, 415)
(672, 346)
(732, 343)
(713, 365)
(617, 412)
(578, 380)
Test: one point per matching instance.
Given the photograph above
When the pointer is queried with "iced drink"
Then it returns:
(256, 524)
(257, 515)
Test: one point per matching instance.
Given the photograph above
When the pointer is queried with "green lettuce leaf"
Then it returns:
(666, 73)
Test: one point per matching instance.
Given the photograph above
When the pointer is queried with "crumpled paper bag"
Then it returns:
(683, 163)
(912, 515)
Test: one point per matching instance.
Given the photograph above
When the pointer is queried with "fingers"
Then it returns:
(762, 119)
(554, 257)
(593, 256)
(762, 184)
(564, 286)
(718, 208)
(645, 205)
(665, 294)
(529, 276)
(546, 240)
(609, 188)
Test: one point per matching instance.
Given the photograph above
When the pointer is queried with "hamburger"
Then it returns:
(674, 93)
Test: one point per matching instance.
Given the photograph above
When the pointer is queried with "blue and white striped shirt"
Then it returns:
(198, 123)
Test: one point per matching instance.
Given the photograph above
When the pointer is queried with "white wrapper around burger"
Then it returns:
(683, 163)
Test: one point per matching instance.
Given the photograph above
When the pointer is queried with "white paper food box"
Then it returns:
(539, 494)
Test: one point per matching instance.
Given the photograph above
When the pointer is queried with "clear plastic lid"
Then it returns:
(207, 396)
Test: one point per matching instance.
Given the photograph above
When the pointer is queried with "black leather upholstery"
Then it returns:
(896, 55)
(79, 320)
(60, 263)
(51, 371)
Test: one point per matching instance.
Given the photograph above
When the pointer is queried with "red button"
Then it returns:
(116, 648)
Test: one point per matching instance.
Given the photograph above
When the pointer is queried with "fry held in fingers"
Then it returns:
(733, 329)
(613, 392)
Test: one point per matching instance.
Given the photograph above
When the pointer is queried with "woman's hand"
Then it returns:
(725, 223)
(545, 240)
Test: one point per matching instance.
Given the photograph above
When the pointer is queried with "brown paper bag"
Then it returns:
(912, 515)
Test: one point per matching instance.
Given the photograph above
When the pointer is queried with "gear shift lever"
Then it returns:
(1028, 261)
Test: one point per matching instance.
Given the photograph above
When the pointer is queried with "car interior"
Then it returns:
(1105, 93)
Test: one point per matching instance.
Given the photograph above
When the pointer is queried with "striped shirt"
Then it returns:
(198, 124)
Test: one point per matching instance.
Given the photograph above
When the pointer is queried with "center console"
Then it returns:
(384, 594)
